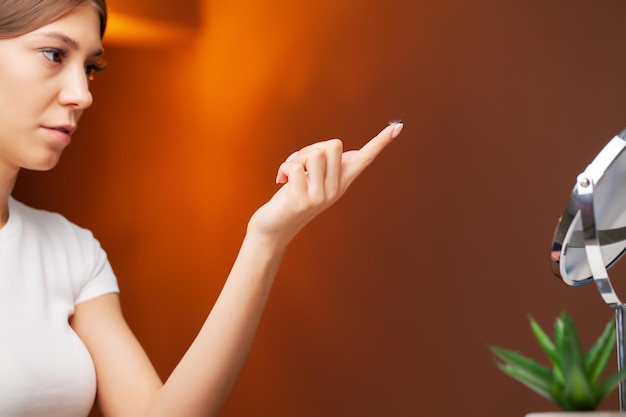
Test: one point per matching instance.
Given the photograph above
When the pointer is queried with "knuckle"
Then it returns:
(316, 152)
(335, 145)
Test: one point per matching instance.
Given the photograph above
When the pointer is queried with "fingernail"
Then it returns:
(397, 129)
(290, 157)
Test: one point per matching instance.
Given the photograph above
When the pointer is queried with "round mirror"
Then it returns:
(595, 214)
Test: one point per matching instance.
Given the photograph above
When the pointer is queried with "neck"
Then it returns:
(7, 182)
(4, 214)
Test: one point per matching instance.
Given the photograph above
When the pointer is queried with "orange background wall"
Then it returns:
(385, 304)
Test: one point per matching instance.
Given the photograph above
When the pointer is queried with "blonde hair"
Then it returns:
(18, 17)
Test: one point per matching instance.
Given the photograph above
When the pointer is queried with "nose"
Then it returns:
(75, 89)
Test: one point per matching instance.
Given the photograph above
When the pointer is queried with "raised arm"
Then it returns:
(313, 179)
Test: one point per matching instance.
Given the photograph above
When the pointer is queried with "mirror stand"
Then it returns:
(619, 332)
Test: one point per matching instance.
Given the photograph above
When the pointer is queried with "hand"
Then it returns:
(314, 178)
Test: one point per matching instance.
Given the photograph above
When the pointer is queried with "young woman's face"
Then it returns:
(44, 88)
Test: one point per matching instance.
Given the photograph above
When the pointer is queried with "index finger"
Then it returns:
(368, 153)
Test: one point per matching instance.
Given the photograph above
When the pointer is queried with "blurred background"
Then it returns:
(385, 304)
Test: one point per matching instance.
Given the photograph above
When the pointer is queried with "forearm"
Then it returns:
(127, 385)
(201, 382)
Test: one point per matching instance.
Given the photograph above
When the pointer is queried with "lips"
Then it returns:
(63, 133)
(67, 129)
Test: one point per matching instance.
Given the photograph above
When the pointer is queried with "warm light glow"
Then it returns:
(129, 30)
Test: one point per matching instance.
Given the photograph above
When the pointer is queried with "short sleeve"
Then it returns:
(102, 280)
(66, 261)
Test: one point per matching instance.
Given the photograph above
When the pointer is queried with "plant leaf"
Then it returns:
(548, 347)
(578, 393)
(558, 335)
(608, 385)
(518, 360)
(540, 386)
(598, 356)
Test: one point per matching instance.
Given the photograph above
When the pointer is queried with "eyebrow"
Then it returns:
(71, 42)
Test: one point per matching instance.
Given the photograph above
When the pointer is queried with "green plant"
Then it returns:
(573, 382)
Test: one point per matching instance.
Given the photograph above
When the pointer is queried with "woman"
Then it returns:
(64, 339)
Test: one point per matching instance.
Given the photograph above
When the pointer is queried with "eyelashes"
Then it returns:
(92, 68)
(57, 56)
(54, 55)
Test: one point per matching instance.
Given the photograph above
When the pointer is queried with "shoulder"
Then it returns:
(63, 249)
(51, 232)
(45, 223)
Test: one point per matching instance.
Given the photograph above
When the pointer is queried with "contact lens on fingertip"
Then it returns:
(397, 129)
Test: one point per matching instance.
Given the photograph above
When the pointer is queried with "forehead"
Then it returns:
(80, 27)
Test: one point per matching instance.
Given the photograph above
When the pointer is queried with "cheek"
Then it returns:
(12, 101)
(23, 93)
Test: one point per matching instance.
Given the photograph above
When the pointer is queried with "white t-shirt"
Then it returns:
(47, 266)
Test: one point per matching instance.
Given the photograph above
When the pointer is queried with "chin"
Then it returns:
(45, 163)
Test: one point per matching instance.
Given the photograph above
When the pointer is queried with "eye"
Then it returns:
(54, 55)
(93, 67)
